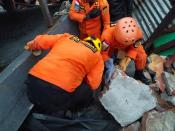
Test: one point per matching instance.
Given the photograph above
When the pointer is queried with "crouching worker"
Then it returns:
(126, 37)
(67, 76)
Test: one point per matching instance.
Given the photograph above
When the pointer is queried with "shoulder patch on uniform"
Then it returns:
(137, 44)
(82, 8)
(91, 47)
(75, 39)
(77, 5)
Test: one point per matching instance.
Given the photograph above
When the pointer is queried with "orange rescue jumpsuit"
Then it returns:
(69, 61)
(137, 54)
(90, 26)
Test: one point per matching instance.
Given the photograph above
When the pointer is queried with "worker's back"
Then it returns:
(68, 62)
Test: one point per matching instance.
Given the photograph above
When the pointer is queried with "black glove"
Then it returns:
(93, 13)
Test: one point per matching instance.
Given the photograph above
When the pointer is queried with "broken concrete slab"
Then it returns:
(156, 121)
(133, 127)
(170, 83)
(127, 99)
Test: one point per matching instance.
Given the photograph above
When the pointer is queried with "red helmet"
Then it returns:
(127, 31)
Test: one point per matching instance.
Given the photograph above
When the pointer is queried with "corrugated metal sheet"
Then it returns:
(150, 14)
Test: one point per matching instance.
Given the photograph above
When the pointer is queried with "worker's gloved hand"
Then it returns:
(93, 13)
(110, 69)
(30, 45)
(124, 63)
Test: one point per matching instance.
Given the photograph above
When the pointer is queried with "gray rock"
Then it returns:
(127, 99)
(164, 121)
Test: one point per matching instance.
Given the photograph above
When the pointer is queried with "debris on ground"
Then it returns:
(156, 65)
(127, 99)
(162, 104)
(168, 98)
(159, 121)
(169, 65)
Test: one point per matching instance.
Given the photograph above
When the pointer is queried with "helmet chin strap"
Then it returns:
(105, 46)
(137, 43)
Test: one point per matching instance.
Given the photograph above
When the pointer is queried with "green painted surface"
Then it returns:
(164, 39)
(168, 52)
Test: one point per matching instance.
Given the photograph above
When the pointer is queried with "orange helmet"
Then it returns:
(127, 31)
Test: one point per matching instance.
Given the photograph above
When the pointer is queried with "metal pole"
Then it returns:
(46, 13)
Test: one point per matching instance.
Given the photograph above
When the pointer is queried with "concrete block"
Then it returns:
(127, 99)
(156, 121)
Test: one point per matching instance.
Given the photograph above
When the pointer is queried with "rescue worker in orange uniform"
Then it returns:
(67, 76)
(93, 16)
(126, 37)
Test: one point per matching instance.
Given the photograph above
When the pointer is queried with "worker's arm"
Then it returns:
(43, 42)
(105, 55)
(124, 63)
(131, 52)
(105, 15)
(94, 77)
(74, 13)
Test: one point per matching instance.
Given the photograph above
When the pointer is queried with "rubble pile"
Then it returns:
(139, 107)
